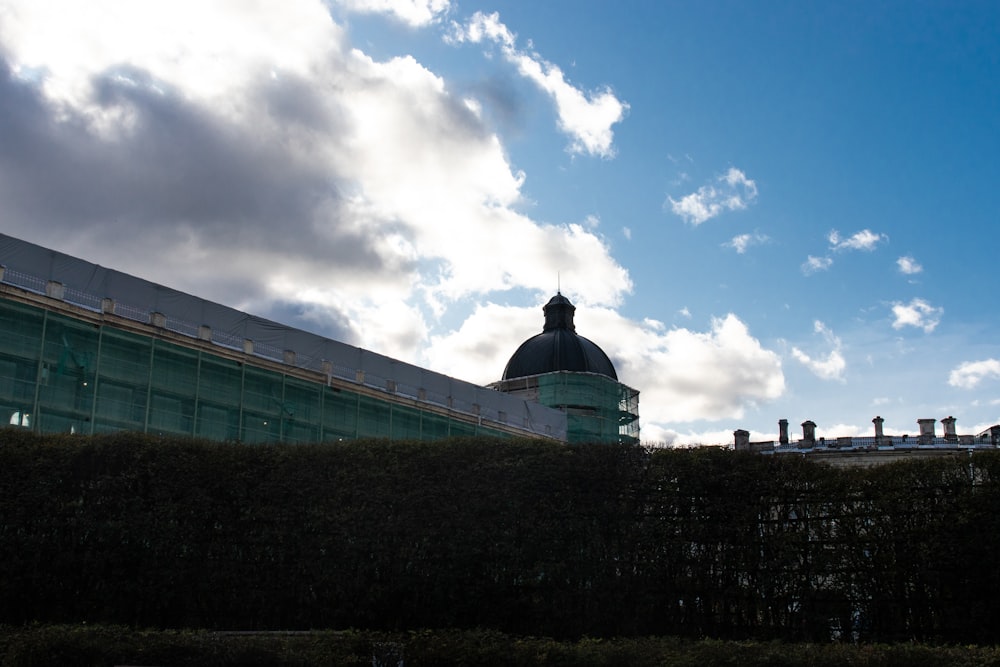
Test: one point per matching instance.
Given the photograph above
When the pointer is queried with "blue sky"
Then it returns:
(761, 210)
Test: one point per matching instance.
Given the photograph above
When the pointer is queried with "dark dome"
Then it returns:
(558, 347)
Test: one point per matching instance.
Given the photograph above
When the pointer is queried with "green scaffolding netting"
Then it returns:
(59, 374)
(598, 408)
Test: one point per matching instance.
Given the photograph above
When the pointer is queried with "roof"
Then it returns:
(558, 347)
(86, 285)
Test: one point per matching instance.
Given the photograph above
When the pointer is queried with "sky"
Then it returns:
(761, 210)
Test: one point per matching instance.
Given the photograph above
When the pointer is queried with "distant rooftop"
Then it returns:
(926, 441)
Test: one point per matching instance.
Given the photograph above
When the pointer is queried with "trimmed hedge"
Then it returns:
(100, 646)
(520, 537)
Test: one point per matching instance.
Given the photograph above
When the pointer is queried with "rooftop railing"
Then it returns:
(357, 376)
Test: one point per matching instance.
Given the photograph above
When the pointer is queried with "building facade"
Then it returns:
(875, 449)
(561, 369)
(85, 349)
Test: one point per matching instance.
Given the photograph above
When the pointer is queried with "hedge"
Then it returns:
(519, 537)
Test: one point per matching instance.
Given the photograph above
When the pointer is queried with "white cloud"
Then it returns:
(741, 242)
(656, 435)
(683, 375)
(270, 166)
(908, 266)
(832, 366)
(684, 312)
(479, 349)
(732, 191)
(484, 27)
(586, 117)
(917, 313)
(627, 233)
(864, 240)
(970, 374)
(207, 50)
(814, 264)
(688, 375)
(415, 13)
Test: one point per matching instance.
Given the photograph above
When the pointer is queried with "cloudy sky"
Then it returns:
(761, 210)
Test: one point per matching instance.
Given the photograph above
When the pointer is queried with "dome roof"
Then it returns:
(558, 347)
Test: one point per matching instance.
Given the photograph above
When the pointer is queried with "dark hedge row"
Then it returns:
(104, 646)
(521, 537)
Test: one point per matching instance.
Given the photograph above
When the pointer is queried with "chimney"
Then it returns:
(783, 431)
(808, 435)
(878, 429)
(742, 440)
(949, 429)
(926, 431)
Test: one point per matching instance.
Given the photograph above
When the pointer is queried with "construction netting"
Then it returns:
(417, 396)
(598, 408)
(59, 374)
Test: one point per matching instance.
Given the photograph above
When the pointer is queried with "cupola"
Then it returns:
(558, 347)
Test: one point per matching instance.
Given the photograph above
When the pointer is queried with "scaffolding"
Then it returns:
(598, 408)
(86, 349)
(61, 375)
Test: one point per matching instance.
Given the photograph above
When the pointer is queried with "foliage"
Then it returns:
(521, 537)
(99, 646)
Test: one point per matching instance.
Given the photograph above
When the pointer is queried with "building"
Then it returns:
(872, 450)
(562, 369)
(85, 349)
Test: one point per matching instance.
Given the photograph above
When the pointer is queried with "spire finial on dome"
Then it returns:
(559, 313)
(558, 347)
